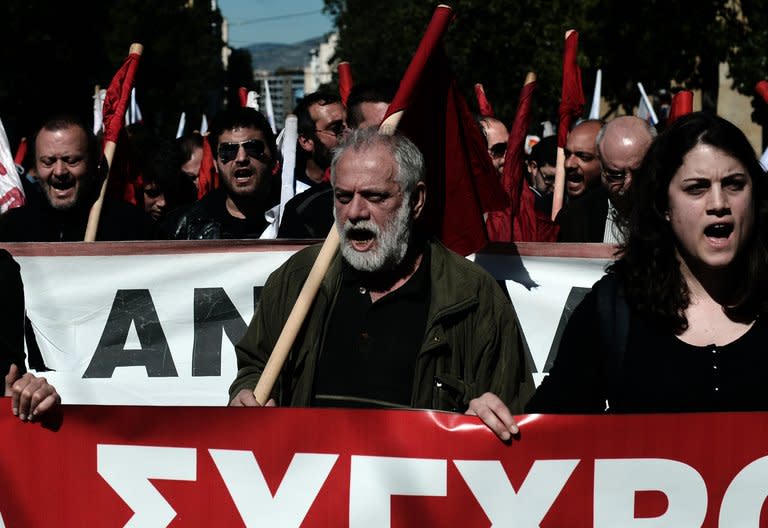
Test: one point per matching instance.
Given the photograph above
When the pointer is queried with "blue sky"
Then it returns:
(286, 21)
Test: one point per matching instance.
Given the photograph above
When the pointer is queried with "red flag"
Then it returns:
(345, 81)
(484, 106)
(116, 100)
(682, 104)
(572, 95)
(499, 223)
(208, 177)
(762, 89)
(21, 152)
(462, 183)
(242, 93)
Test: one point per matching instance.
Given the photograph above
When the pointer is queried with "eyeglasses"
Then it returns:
(254, 148)
(498, 150)
(613, 175)
(338, 129)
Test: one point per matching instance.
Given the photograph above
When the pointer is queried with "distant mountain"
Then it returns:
(271, 56)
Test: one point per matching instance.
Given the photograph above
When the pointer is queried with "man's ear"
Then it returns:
(419, 197)
(532, 166)
(307, 144)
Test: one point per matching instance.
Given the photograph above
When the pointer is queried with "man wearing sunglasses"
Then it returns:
(620, 145)
(244, 147)
(496, 135)
(322, 123)
(400, 320)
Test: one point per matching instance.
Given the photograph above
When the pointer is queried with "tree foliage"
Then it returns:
(496, 42)
(55, 53)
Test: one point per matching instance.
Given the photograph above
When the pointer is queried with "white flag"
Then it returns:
(98, 103)
(252, 100)
(11, 190)
(268, 107)
(594, 112)
(645, 108)
(182, 125)
(204, 125)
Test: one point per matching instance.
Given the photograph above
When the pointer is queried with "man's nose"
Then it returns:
(59, 167)
(358, 209)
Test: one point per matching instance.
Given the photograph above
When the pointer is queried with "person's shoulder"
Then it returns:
(310, 196)
(297, 267)
(459, 265)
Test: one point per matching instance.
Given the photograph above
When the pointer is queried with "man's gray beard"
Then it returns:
(391, 241)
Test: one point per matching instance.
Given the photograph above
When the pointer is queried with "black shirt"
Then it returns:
(370, 349)
(37, 221)
(659, 372)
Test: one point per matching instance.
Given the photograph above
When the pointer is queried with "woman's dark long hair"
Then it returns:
(648, 267)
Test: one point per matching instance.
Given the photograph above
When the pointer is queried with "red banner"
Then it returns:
(211, 466)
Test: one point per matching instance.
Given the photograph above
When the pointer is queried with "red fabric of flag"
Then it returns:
(484, 106)
(462, 183)
(116, 99)
(208, 177)
(126, 181)
(242, 93)
(345, 81)
(500, 223)
(21, 152)
(762, 89)
(572, 95)
(682, 104)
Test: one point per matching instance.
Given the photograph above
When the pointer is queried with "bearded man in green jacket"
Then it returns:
(399, 321)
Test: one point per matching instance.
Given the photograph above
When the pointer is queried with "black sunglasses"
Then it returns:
(498, 150)
(254, 148)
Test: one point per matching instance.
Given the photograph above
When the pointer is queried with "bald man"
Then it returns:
(496, 135)
(621, 145)
(582, 167)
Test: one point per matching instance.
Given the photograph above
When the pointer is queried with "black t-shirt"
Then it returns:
(37, 221)
(369, 352)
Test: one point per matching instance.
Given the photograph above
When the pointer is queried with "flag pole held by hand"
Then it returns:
(115, 104)
(432, 35)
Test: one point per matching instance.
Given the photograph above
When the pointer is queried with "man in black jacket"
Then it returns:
(244, 147)
(66, 157)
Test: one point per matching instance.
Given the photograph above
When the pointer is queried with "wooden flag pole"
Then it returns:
(109, 154)
(559, 191)
(330, 246)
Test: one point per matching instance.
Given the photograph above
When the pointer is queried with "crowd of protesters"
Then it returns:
(686, 208)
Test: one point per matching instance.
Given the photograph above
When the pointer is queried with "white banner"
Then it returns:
(159, 328)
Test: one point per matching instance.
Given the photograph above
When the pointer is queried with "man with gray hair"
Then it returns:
(621, 145)
(399, 320)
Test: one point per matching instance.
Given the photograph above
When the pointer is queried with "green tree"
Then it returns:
(497, 42)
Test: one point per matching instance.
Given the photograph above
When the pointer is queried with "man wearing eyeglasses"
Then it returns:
(322, 123)
(244, 146)
(496, 135)
(620, 146)
(310, 213)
